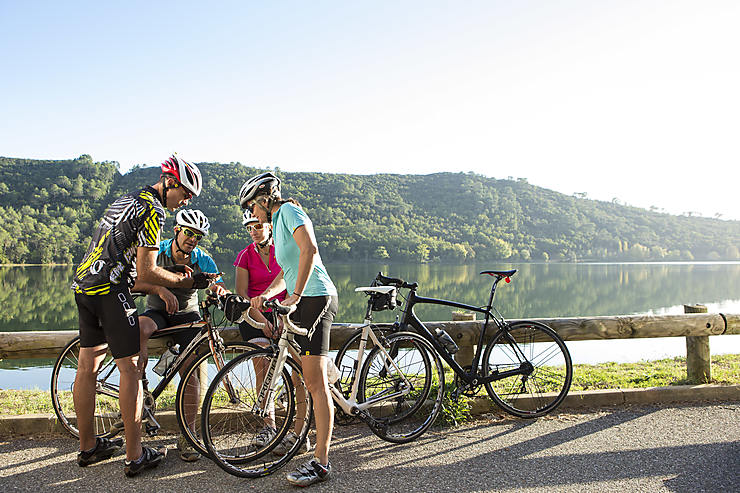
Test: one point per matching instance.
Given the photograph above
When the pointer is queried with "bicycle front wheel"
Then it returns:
(540, 366)
(404, 385)
(193, 385)
(107, 414)
(233, 422)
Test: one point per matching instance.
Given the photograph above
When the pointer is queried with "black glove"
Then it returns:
(176, 268)
(200, 280)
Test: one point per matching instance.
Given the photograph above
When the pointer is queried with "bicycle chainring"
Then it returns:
(464, 388)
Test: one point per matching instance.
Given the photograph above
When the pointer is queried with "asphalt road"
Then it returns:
(689, 448)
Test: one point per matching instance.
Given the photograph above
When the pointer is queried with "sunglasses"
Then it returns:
(257, 226)
(191, 234)
(250, 205)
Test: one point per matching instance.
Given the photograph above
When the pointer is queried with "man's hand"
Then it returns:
(169, 298)
(202, 280)
(219, 290)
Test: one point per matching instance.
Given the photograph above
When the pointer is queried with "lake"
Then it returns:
(39, 298)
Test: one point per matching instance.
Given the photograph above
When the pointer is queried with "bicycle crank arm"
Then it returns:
(152, 425)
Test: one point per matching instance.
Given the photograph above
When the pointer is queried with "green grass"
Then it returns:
(662, 373)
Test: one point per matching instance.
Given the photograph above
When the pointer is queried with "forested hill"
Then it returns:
(48, 210)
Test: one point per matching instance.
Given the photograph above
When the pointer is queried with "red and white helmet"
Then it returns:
(188, 175)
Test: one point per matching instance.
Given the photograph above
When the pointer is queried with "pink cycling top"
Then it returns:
(260, 275)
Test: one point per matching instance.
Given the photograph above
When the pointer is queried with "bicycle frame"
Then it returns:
(350, 405)
(215, 343)
(473, 377)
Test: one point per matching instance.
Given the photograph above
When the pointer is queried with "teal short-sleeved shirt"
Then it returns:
(284, 223)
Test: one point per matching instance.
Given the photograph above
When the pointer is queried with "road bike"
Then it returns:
(202, 358)
(524, 365)
(397, 394)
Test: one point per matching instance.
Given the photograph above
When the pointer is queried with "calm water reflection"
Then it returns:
(39, 298)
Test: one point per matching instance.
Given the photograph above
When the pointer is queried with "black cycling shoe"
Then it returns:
(104, 449)
(149, 458)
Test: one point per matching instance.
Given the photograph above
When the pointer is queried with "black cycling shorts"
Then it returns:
(248, 332)
(164, 319)
(109, 318)
(315, 313)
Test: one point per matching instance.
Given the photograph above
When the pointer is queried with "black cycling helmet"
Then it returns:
(262, 184)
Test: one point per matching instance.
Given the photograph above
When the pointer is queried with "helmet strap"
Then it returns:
(268, 209)
(267, 241)
(164, 191)
(177, 245)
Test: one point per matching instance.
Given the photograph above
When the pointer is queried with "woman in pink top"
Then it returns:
(256, 268)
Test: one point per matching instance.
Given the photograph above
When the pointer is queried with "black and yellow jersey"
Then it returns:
(134, 220)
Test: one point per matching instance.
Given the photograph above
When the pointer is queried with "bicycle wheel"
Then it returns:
(231, 424)
(547, 369)
(188, 399)
(107, 410)
(402, 416)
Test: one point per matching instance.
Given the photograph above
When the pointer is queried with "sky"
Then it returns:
(633, 101)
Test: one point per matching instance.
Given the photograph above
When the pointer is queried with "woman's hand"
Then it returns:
(257, 301)
(293, 299)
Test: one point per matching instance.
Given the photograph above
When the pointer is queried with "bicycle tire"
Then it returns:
(192, 431)
(229, 428)
(107, 417)
(404, 418)
(539, 392)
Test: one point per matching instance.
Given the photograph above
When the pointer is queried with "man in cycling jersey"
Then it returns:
(124, 247)
(166, 307)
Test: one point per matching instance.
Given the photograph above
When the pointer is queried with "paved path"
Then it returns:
(690, 448)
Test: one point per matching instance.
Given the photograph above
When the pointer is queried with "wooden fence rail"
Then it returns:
(47, 344)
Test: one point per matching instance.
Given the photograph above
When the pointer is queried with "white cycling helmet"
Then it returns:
(263, 184)
(193, 219)
(248, 218)
(188, 175)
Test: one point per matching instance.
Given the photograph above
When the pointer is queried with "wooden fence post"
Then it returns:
(698, 356)
(465, 354)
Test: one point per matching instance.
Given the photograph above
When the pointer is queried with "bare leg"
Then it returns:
(83, 393)
(191, 395)
(314, 373)
(261, 365)
(146, 329)
(131, 397)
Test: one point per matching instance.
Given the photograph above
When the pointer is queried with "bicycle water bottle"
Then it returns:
(166, 360)
(446, 341)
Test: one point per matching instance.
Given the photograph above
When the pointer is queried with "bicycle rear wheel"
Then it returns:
(107, 415)
(190, 391)
(231, 423)
(545, 364)
(408, 391)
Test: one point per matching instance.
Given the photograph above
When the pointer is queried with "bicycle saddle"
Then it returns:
(500, 273)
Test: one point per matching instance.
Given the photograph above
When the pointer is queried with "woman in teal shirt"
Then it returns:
(310, 288)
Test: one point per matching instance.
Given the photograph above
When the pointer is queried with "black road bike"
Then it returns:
(524, 365)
